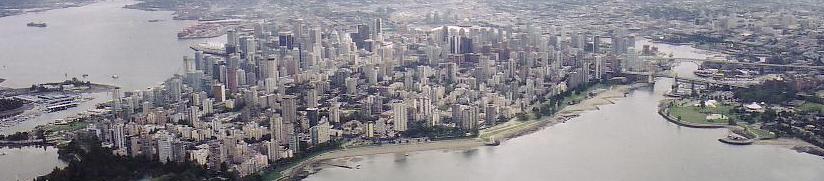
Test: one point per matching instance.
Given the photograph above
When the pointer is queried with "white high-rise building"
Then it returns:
(194, 117)
(320, 133)
(351, 85)
(269, 68)
(273, 150)
(208, 107)
(600, 68)
(188, 64)
(276, 129)
(119, 135)
(164, 147)
(270, 84)
(312, 98)
(399, 116)
(334, 112)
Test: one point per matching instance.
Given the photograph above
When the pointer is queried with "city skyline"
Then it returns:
(270, 90)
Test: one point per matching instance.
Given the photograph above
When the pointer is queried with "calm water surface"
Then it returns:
(100, 40)
(26, 163)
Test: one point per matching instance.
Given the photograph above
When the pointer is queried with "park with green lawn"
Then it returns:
(692, 113)
(687, 111)
(812, 107)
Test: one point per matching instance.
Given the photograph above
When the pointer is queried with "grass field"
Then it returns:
(763, 134)
(693, 114)
(73, 126)
(812, 107)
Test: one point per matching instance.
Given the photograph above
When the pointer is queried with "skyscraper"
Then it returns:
(116, 99)
(164, 147)
(219, 92)
(276, 129)
(320, 133)
(200, 63)
(334, 112)
(289, 110)
(232, 73)
(399, 116)
(188, 64)
(231, 41)
(491, 114)
(378, 27)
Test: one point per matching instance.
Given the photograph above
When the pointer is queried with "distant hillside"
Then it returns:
(28, 4)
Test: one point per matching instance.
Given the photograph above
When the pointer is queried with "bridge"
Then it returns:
(806, 67)
(691, 80)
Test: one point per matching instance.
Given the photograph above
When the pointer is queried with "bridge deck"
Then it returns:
(700, 80)
(743, 63)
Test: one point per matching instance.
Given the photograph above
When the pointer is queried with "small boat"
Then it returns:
(115, 76)
(39, 25)
(154, 20)
(736, 140)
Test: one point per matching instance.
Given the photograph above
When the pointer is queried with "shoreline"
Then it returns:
(23, 11)
(92, 87)
(791, 143)
(504, 131)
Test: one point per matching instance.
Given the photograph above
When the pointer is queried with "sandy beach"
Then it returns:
(515, 128)
(794, 144)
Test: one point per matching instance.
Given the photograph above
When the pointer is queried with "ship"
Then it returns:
(33, 24)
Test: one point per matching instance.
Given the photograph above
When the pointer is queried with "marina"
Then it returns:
(42, 104)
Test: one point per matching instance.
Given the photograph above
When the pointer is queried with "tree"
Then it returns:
(521, 116)
(771, 91)
(769, 115)
(88, 160)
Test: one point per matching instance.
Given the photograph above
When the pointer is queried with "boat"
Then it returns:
(154, 20)
(736, 140)
(33, 24)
